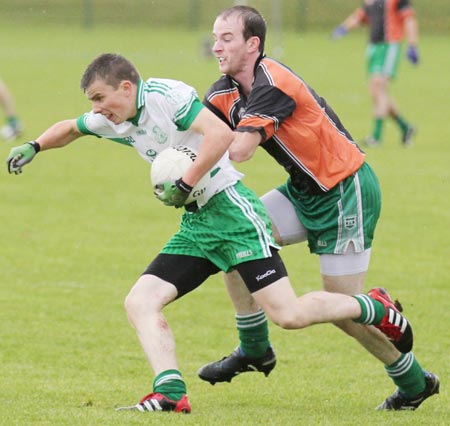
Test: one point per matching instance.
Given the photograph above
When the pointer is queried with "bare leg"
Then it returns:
(243, 301)
(378, 88)
(6, 100)
(284, 308)
(369, 337)
(144, 306)
(286, 229)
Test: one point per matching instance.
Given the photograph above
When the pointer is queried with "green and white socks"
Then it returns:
(407, 374)
(253, 334)
(372, 311)
(171, 384)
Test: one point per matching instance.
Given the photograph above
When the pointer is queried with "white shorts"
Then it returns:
(291, 230)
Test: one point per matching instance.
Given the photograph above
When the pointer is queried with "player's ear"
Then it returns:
(126, 86)
(253, 43)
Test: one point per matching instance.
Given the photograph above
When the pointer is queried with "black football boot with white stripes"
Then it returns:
(394, 325)
(237, 363)
(400, 401)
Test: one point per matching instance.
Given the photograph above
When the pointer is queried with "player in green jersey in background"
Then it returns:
(388, 21)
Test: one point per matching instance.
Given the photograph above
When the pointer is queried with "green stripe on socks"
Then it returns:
(407, 374)
(253, 334)
(170, 384)
(372, 311)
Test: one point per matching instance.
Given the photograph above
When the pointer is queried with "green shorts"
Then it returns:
(232, 228)
(383, 58)
(346, 214)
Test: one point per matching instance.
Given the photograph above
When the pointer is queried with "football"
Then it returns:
(171, 164)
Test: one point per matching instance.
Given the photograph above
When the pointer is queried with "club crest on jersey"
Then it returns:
(350, 221)
(159, 135)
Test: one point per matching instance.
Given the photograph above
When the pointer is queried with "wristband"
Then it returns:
(183, 186)
(35, 145)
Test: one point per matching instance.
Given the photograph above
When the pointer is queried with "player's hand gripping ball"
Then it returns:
(166, 172)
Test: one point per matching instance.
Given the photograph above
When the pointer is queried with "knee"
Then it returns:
(133, 306)
(142, 301)
(289, 320)
(131, 303)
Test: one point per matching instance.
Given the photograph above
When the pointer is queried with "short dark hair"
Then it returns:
(254, 23)
(112, 69)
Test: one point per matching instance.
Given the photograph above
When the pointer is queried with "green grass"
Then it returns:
(80, 224)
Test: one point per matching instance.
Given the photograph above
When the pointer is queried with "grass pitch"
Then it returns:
(80, 224)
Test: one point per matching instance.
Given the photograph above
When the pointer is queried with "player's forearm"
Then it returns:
(217, 138)
(351, 22)
(59, 135)
(244, 145)
(214, 146)
(411, 31)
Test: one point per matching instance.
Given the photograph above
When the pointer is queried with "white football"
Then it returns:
(171, 164)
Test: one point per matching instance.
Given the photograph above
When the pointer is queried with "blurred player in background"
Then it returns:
(388, 21)
(332, 196)
(12, 129)
(226, 228)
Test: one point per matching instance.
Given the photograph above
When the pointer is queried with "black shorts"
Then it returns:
(186, 273)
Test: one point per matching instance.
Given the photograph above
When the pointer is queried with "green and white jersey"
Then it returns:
(165, 111)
